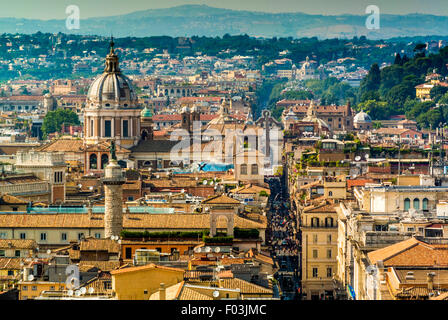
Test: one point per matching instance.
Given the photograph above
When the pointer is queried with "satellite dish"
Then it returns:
(182, 191)
(91, 290)
(77, 293)
(79, 186)
(30, 277)
(208, 249)
(204, 182)
(357, 158)
(215, 294)
(48, 251)
(217, 249)
(112, 237)
(198, 250)
(83, 290)
(367, 156)
(211, 183)
(90, 188)
(70, 293)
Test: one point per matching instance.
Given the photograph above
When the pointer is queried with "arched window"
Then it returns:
(104, 160)
(330, 193)
(93, 161)
(254, 169)
(407, 204)
(416, 204)
(315, 222)
(425, 204)
(243, 169)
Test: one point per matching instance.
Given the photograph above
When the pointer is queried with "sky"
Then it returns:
(55, 9)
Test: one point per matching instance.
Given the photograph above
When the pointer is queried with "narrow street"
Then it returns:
(283, 240)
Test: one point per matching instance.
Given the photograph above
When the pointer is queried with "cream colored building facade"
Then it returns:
(319, 251)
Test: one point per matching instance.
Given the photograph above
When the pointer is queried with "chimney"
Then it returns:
(162, 292)
(430, 280)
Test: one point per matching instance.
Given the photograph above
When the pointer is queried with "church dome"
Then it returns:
(362, 117)
(112, 86)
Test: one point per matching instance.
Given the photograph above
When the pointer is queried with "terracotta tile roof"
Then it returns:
(264, 259)
(221, 199)
(22, 98)
(245, 286)
(146, 267)
(17, 244)
(92, 244)
(358, 182)
(250, 189)
(63, 145)
(225, 274)
(188, 293)
(10, 263)
(411, 252)
(321, 208)
(85, 266)
(172, 292)
(133, 221)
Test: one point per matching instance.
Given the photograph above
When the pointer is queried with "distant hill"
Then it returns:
(202, 20)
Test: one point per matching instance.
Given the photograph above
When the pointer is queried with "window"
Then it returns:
(407, 204)
(425, 204)
(243, 169)
(329, 253)
(381, 227)
(330, 193)
(51, 288)
(98, 235)
(93, 161)
(315, 222)
(329, 238)
(15, 209)
(22, 235)
(3, 235)
(130, 198)
(91, 128)
(315, 238)
(63, 236)
(128, 253)
(315, 253)
(254, 169)
(104, 160)
(417, 204)
(25, 288)
(411, 229)
(34, 288)
(328, 222)
(43, 236)
(329, 273)
(80, 236)
(315, 273)
(17, 253)
(159, 250)
(2, 253)
(107, 128)
(125, 128)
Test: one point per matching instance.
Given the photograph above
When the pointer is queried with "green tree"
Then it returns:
(437, 92)
(372, 81)
(54, 119)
